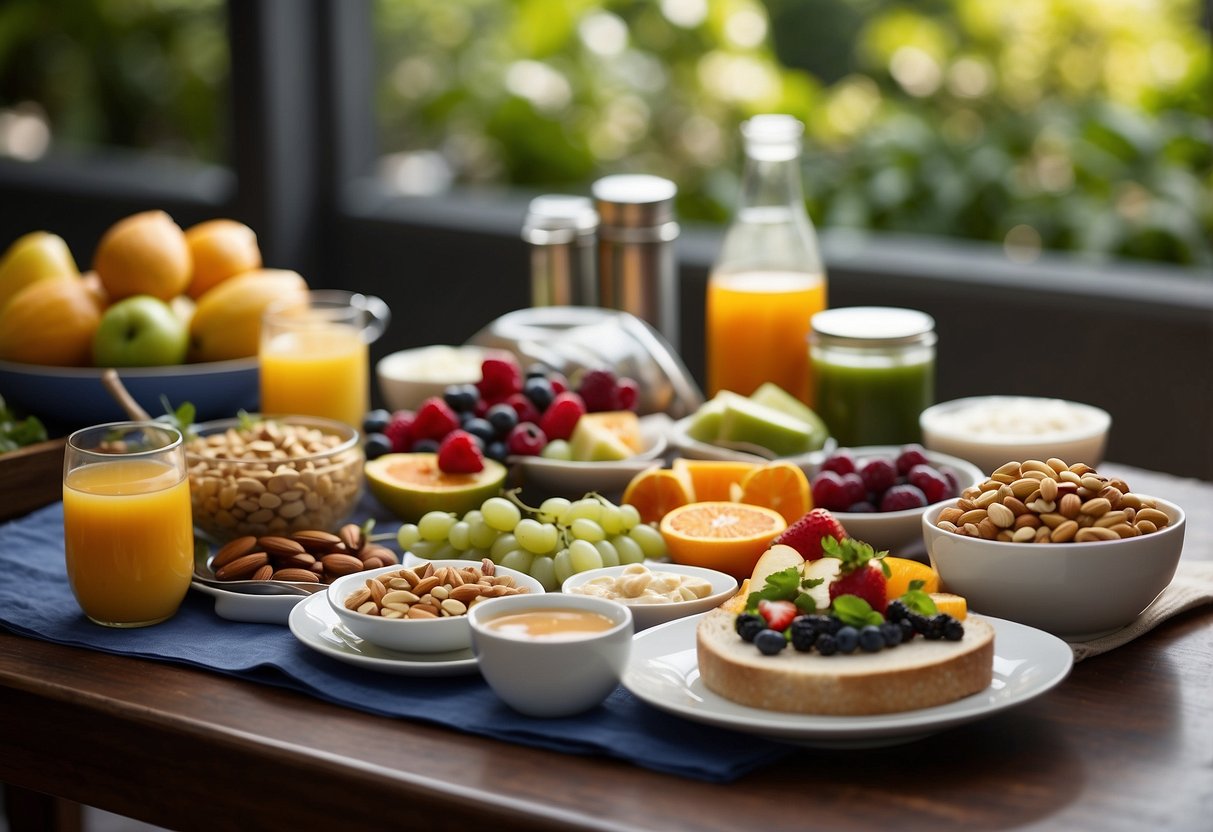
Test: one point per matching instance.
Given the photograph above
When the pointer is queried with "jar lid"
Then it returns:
(634, 200)
(873, 326)
(772, 137)
(553, 219)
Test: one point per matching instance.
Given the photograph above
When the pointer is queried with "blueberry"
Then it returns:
(502, 417)
(847, 639)
(769, 642)
(896, 611)
(871, 640)
(749, 625)
(953, 630)
(376, 421)
(804, 634)
(376, 445)
(827, 645)
(461, 397)
(496, 450)
(539, 391)
(934, 627)
(907, 629)
(425, 446)
(481, 429)
(892, 633)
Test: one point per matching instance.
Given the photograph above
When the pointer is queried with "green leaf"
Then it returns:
(918, 601)
(853, 610)
(783, 585)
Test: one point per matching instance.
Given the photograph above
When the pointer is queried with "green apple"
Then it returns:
(140, 331)
(31, 258)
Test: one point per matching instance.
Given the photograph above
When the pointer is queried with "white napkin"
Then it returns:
(1191, 587)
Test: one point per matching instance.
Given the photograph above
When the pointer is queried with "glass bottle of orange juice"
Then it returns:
(768, 281)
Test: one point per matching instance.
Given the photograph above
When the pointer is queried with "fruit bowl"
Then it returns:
(691, 448)
(414, 635)
(1077, 591)
(648, 614)
(265, 475)
(71, 397)
(896, 531)
(571, 479)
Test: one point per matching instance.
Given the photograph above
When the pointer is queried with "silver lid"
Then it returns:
(634, 200)
(554, 219)
(872, 326)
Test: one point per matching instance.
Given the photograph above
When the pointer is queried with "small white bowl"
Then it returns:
(574, 479)
(431, 635)
(1077, 591)
(896, 530)
(694, 449)
(408, 377)
(651, 614)
(992, 430)
(551, 678)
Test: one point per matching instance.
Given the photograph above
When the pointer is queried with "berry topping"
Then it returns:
(539, 391)
(598, 390)
(830, 492)
(840, 463)
(871, 640)
(902, 497)
(499, 377)
(526, 439)
(777, 614)
(400, 430)
(435, 419)
(502, 418)
(749, 624)
(910, 456)
(461, 397)
(460, 453)
(878, 475)
(806, 534)
(891, 633)
(859, 575)
(846, 639)
(559, 420)
(480, 428)
(524, 408)
(827, 644)
(803, 633)
(770, 642)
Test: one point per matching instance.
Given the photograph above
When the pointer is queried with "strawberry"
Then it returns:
(459, 454)
(863, 573)
(778, 614)
(806, 534)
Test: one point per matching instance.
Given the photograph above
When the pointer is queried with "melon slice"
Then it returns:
(748, 421)
(774, 396)
(593, 442)
(409, 485)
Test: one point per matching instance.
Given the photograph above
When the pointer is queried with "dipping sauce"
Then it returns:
(555, 624)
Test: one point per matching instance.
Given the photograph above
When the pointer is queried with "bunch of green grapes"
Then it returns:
(559, 538)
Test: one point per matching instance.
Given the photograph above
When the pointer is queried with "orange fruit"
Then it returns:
(656, 491)
(778, 485)
(712, 478)
(220, 249)
(904, 570)
(953, 605)
(143, 254)
(736, 604)
(727, 536)
(51, 322)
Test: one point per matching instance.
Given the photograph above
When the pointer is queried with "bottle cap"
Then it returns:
(872, 326)
(555, 219)
(773, 137)
(636, 201)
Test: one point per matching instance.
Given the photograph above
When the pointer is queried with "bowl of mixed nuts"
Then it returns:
(1055, 546)
(272, 475)
(423, 608)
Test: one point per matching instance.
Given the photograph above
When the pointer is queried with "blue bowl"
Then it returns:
(69, 397)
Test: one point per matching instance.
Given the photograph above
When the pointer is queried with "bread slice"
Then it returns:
(918, 674)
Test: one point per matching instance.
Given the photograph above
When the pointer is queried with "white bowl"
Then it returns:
(1077, 591)
(408, 377)
(896, 530)
(574, 479)
(992, 430)
(648, 615)
(432, 635)
(694, 449)
(550, 678)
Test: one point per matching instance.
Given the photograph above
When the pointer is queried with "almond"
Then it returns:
(351, 536)
(233, 549)
(280, 547)
(264, 573)
(385, 555)
(338, 565)
(299, 576)
(317, 541)
(242, 567)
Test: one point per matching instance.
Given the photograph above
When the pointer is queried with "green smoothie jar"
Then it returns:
(875, 372)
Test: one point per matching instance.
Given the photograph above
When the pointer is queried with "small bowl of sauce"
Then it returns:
(551, 655)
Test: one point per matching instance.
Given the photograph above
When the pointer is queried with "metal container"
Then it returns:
(560, 230)
(637, 270)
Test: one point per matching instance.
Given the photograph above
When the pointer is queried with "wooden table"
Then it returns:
(1124, 743)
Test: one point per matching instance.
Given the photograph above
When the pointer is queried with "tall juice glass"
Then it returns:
(315, 358)
(127, 527)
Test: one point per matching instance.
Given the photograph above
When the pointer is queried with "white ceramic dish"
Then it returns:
(992, 430)
(436, 635)
(1078, 591)
(316, 626)
(407, 378)
(650, 615)
(256, 609)
(574, 479)
(896, 531)
(694, 449)
(664, 672)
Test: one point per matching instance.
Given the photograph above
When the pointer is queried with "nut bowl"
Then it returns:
(896, 530)
(263, 475)
(648, 611)
(1077, 591)
(440, 634)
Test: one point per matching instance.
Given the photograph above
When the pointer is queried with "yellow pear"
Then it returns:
(31, 258)
(50, 322)
(227, 318)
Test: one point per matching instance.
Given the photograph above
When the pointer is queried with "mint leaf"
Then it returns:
(918, 601)
(853, 610)
(783, 585)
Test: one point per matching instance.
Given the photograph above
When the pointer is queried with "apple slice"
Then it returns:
(775, 559)
(827, 569)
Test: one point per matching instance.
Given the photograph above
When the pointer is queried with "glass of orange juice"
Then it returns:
(315, 357)
(127, 527)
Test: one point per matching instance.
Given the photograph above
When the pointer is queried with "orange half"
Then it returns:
(713, 478)
(656, 491)
(904, 570)
(721, 535)
(954, 605)
(781, 486)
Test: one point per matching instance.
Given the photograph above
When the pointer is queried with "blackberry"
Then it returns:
(892, 633)
(827, 645)
(871, 640)
(749, 624)
(824, 623)
(919, 622)
(907, 629)
(896, 611)
(847, 639)
(953, 630)
(934, 627)
(769, 642)
(804, 635)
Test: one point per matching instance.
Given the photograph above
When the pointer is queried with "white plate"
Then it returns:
(663, 671)
(241, 606)
(650, 615)
(570, 478)
(316, 625)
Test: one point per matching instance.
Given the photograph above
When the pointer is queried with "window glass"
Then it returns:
(1038, 124)
(140, 74)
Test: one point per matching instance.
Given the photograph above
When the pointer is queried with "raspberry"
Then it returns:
(910, 456)
(934, 485)
(559, 420)
(902, 497)
(499, 377)
(830, 492)
(806, 534)
(400, 430)
(435, 419)
(559, 383)
(857, 492)
(523, 407)
(460, 453)
(840, 462)
(599, 391)
(526, 439)
(628, 393)
(879, 475)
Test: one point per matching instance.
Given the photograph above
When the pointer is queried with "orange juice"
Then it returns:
(129, 539)
(758, 329)
(321, 371)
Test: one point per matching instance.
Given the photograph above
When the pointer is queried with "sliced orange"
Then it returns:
(904, 570)
(656, 491)
(778, 485)
(954, 605)
(713, 478)
(721, 535)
